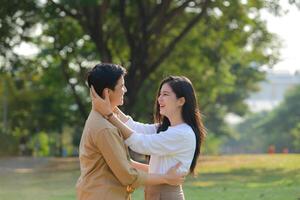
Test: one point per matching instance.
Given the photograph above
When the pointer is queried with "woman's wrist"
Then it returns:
(108, 116)
(116, 110)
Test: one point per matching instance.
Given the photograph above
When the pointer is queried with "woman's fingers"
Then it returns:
(177, 165)
(93, 92)
(106, 94)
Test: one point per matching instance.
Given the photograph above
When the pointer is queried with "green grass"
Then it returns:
(240, 177)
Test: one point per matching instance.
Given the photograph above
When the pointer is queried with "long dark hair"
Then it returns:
(183, 87)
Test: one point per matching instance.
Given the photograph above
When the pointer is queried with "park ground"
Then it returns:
(236, 177)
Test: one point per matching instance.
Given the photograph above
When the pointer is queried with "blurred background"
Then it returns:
(242, 57)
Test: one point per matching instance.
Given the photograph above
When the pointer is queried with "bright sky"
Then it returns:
(287, 27)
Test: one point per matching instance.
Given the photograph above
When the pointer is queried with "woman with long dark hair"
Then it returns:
(179, 128)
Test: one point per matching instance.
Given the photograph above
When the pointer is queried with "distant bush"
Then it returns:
(8, 144)
(39, 144)
(212, 144)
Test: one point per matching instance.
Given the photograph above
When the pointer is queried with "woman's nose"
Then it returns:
(159, 98)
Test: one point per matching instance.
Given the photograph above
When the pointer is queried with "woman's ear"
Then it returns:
(181, 101)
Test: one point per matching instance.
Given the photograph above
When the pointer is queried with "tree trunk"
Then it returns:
(133, 84)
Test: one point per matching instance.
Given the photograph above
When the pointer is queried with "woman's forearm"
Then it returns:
(125, 130)
(124, 118)
(155, 179)
(140, 166)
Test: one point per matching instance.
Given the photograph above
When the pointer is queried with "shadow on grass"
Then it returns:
(23, 165)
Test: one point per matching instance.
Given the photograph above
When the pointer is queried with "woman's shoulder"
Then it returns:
(185, 133)
(182, 126)
(182, 129)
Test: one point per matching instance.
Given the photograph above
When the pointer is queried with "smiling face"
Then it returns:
(169, 104)
(116, 96)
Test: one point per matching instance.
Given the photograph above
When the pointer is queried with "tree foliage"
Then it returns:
(219, 45)
(279, 127)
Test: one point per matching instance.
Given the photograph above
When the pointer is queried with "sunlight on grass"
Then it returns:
(23, 171)
(274, 183)
(203, 183)
(238, 177)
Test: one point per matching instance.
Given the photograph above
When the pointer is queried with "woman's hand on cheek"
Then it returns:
(99, 104)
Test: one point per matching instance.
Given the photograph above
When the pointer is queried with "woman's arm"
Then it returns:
(169, 142)
(98, 103)
(125, 130)
(124, 118)
(166, 143)
(140, 166)
(105, 109)
(171, 177)
(134, 125)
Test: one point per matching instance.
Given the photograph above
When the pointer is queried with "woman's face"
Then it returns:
(169, 104)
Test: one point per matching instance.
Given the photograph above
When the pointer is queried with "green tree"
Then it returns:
(250, 139)
(295, 132)
(219, 45)
(279, 127)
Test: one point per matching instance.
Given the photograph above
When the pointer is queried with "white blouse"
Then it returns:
(176, 144)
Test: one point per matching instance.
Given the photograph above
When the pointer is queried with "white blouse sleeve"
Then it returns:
(141, 127)
(165, 143)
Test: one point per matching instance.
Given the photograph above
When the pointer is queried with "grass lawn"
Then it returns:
(239, 177)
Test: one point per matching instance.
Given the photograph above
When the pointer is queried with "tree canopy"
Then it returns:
(279, 127)
(219, 45)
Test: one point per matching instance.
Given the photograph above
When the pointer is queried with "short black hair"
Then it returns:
(104, 75)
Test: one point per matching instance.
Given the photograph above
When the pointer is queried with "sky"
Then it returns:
(287, 27)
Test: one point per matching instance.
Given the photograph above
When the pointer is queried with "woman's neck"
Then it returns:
(175, 119)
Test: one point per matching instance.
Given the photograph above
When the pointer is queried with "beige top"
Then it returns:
(105, 167)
